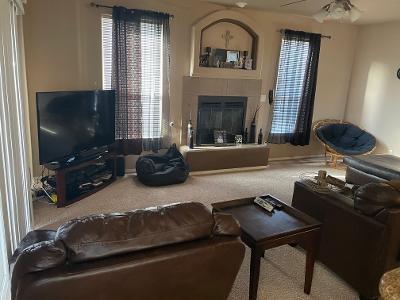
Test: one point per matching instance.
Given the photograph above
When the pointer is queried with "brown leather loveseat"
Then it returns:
(179, 251)
(360, 238)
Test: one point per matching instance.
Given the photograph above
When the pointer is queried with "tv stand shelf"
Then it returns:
(69, 179)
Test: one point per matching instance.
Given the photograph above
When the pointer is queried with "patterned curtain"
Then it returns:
(295, 88)
(140, 78)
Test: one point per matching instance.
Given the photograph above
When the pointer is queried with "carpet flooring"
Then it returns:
(282, 269)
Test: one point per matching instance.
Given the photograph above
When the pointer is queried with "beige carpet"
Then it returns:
(282, 270)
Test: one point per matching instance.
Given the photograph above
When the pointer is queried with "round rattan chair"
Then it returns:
(343, 139)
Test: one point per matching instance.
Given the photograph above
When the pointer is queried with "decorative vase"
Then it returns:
(260, 137)
(190, 134)
(245, 137)
(253, 126)
(253, 132)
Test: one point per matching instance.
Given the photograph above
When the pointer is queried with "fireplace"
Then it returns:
(225, 113)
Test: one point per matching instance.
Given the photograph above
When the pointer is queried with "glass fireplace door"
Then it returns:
(220, 113)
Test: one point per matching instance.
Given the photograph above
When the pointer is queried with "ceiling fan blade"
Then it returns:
(294, 2)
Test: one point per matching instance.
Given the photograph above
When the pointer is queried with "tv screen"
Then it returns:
(72, 122)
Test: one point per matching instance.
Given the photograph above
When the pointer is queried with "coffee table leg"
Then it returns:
(312, 248)
(254, 273)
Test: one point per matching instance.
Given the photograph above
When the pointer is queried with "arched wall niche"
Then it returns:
(210, 31)
(240, 37)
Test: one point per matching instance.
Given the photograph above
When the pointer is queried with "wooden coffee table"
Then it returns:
(262, 230)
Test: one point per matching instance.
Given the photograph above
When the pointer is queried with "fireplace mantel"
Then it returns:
(233, 17)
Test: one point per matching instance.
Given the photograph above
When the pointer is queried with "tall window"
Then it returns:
(15, 199)
(295, 88)
(289, 85)
(106, 34)
(151, 60)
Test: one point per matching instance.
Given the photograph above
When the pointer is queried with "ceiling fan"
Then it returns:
(337, 9)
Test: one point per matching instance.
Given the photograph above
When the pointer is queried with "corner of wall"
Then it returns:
(349, 87)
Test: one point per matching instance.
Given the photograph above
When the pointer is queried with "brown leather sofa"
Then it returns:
(179, 251)
(372, 168)
(360, 238)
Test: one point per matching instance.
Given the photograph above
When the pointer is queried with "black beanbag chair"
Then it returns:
(159, 170)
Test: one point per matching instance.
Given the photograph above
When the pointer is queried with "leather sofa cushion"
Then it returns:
(105, 235)
(372, 198)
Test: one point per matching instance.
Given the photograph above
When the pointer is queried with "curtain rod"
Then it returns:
(323, 36)
(92, 4)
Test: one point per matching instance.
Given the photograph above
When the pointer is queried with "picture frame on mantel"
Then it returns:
(220, 137)
(232, 56)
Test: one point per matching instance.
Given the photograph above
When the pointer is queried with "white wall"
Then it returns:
(63, 52)
(374, 96)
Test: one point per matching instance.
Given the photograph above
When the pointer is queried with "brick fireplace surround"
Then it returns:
(193, 87)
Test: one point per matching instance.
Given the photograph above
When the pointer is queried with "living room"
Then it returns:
(203, 108)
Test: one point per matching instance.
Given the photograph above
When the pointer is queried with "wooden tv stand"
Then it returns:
(68, 179)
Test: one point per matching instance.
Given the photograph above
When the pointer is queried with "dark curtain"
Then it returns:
(293, 102)
(136, 111)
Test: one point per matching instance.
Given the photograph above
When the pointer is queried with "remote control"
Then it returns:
(261, 202)
(273, 201)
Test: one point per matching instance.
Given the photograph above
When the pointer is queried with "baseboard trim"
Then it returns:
(233, 170)
(296, 157)
(199, 173)
(130, 171)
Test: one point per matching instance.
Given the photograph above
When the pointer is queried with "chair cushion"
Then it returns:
(346, 139)
(105, 235)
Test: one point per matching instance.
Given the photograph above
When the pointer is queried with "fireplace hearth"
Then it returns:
(226, 113)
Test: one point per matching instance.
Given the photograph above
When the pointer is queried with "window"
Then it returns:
(151, 39)
(106, 33)
(15, 200)
(290, 84)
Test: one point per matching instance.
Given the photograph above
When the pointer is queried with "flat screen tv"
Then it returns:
(70, 123)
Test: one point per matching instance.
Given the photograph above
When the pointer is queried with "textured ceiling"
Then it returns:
(374, 11)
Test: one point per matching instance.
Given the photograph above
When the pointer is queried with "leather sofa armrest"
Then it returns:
(33, 237)
(226, 224)
(391, 218)
(372, 198)
(35, 258)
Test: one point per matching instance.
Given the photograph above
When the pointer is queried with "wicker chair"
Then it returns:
(362, 144)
